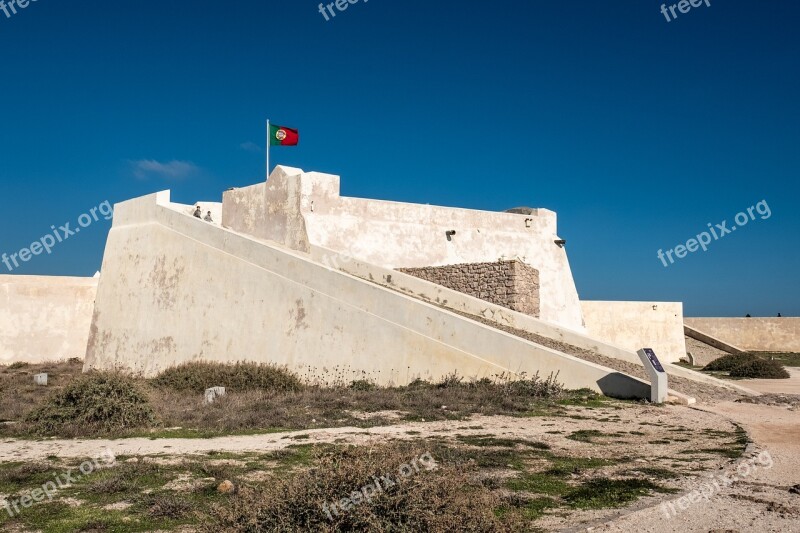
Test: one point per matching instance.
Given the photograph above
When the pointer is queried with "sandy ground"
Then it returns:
(757, 502)
(784, 386)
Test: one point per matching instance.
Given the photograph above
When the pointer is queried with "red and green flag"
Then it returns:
(283, 136)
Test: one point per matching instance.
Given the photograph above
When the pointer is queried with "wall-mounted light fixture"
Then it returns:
(449, 234)
(655, 308)
(560, 242)
(528, 222)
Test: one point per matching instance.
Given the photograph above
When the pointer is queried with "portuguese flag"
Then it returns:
(283, 136)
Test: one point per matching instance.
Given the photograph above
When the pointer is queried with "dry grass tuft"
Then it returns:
(445, 498)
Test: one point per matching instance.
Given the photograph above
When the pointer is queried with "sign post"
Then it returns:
(658, 376)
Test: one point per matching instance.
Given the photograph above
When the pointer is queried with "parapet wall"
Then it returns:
(44, 318)
(303, 210)
(510, 284)
(753, 334)
(636, 325)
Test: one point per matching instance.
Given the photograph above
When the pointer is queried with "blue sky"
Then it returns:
(637, 131)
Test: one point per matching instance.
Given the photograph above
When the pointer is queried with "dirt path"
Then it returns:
(549, 429)
(757, 502)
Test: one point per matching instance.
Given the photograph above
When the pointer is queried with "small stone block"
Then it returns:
(213, 393)
(40, 379)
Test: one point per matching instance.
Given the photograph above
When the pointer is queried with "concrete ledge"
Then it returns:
(711, 341)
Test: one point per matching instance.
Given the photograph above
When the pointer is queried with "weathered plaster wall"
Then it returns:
(753, 334)
(511, 284)
(636, 325)
(44, 318)
(175, 289)
(304, 210)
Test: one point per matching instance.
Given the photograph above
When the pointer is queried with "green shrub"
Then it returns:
(100, 402)
(729, 362)
(362, 385)
(239, 377)
(760, 368)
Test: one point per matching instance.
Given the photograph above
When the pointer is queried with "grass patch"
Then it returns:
(539, 483)
(602, 493)
(654, 472)
(484, 441)
(586, 435)
(786, 359)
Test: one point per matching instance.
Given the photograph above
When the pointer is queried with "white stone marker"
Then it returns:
(40, 379)
(658, 376)
(213, 393)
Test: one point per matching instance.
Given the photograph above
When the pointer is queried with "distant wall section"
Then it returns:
(753, 334)
(44, 318)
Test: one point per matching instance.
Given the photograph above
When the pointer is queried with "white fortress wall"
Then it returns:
(305, 209)
(176, 289)
(44, 318)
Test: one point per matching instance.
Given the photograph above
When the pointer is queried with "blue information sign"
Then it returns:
(654, 360)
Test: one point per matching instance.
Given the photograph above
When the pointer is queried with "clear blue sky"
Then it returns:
(637, 131)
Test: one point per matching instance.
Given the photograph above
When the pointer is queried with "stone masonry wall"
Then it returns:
(511, 284)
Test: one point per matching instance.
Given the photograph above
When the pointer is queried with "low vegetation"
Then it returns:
(239, 377)
(748, 365)
(760, 368)
(439, 484)
(99, 402)
(403, 493)
(260, 398)
(463, 479)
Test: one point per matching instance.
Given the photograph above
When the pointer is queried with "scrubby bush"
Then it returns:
(239, 377)
(760, 368)
(100, 402)
(729, 362)
(429, 497)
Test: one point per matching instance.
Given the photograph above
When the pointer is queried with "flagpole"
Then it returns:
(268, 145)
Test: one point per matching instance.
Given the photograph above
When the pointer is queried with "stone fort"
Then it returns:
(290, 272)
